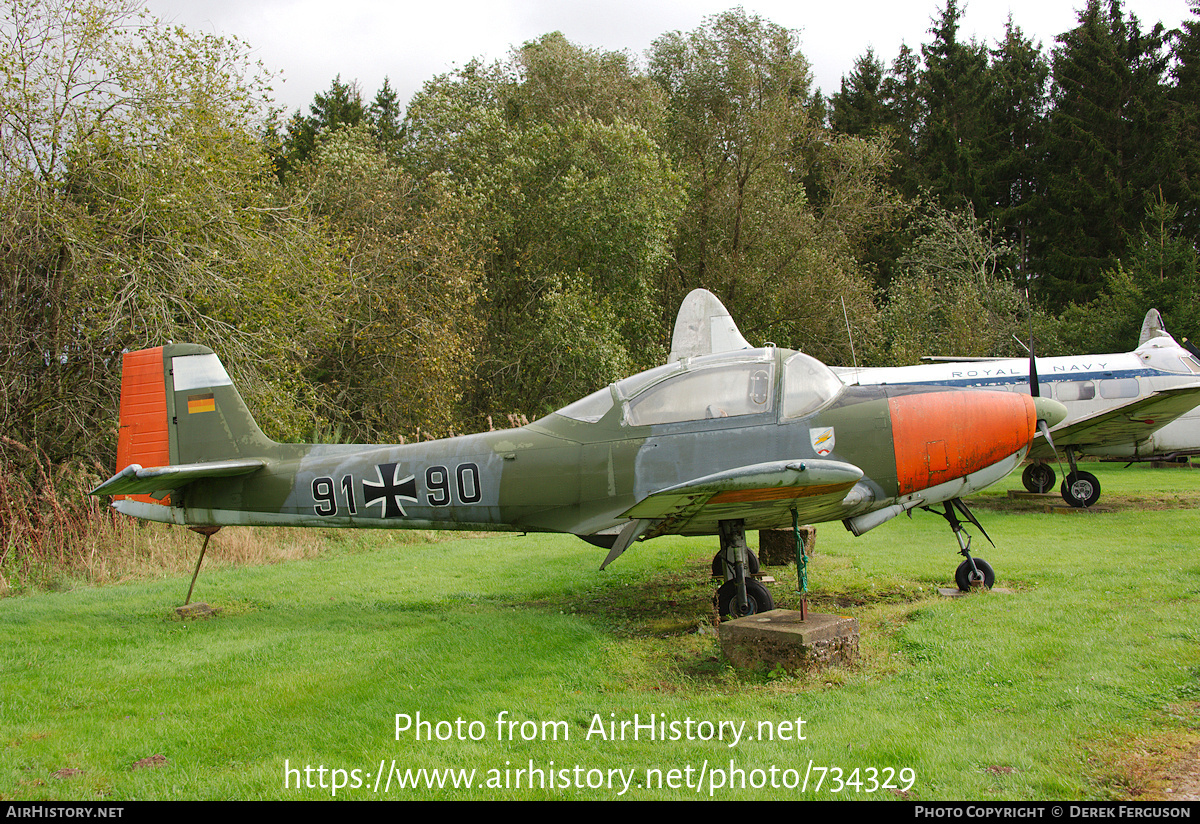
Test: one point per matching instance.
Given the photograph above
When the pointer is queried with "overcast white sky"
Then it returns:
(312, 41)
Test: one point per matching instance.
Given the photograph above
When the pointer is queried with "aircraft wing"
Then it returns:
(137, 480)
(761, 494)
(1125, 424)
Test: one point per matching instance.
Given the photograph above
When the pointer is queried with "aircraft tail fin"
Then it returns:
(1152, 326)
(704, 327)
(180, 409)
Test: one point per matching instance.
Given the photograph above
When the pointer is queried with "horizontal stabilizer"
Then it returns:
(136, 480)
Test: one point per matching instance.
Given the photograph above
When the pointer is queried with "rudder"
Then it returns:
(179, 406)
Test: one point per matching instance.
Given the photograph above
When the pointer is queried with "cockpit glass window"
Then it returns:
(636, 383)
(1191, 363)
(589, 409)
(808, 385)
(717, 389)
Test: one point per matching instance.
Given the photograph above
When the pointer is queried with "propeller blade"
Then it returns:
(1034, 387)
(1050, 413)
(1044, 428)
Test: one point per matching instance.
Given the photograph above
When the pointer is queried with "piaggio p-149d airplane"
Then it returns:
(1135, 406)
(711, 444)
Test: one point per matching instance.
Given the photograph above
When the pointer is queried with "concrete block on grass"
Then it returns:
(780, 638)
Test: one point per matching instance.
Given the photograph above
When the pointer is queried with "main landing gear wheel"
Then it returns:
(752, 565)
(758, 596)
(1080, 489)
(968, 578)
(1038, 477)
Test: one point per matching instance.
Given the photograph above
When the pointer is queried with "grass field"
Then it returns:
(1080, 682)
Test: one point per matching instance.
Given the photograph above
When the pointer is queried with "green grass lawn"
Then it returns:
(1072, 685)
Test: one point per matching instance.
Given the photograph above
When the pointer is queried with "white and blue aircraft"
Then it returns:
(1131, 406)
(1142, 405)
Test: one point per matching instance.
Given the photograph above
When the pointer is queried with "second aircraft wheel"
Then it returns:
(1080, 489)
(1038, 477)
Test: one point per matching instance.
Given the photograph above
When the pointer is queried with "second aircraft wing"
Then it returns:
(1125, 424)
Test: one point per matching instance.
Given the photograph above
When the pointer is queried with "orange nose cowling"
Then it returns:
(940, 436)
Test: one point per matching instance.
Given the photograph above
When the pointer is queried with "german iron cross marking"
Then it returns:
(389, 493)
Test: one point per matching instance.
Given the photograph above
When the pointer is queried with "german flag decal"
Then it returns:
(201, 403)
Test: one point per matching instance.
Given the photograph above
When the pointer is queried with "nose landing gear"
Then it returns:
(972, 573)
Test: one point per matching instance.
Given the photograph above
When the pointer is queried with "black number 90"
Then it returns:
(437, 480)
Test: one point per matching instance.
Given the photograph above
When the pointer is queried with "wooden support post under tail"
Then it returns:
(207, 532)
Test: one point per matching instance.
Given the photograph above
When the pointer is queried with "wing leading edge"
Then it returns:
(1126, 424)
(760, 494)
(756, 493)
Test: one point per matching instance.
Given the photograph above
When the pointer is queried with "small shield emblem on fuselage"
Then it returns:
(822, 440)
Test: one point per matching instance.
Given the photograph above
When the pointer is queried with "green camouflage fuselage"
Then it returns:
(836, 458)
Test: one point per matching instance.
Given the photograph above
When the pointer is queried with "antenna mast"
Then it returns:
(850, 335)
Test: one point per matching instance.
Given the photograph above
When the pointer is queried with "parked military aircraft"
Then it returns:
(713, 444)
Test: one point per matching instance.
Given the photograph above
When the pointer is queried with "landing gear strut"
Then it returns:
(973, 572)
(722, 570)
(207, 532)
(740, 595)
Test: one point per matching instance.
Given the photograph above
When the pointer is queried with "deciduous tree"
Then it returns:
(777, 207)
(576, 200)
(952, 295)
(135, 210)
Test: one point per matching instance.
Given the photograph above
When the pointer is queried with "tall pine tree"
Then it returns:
(1016, 119)
(1181, 184)
(1105, 152)
(954, 90)
(901, 95)
(859, 109)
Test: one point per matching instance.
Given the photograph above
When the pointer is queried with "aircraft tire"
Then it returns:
(1080, 489)
(962, 575)
(752, 565)
(758, 595)
(1038, 477)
